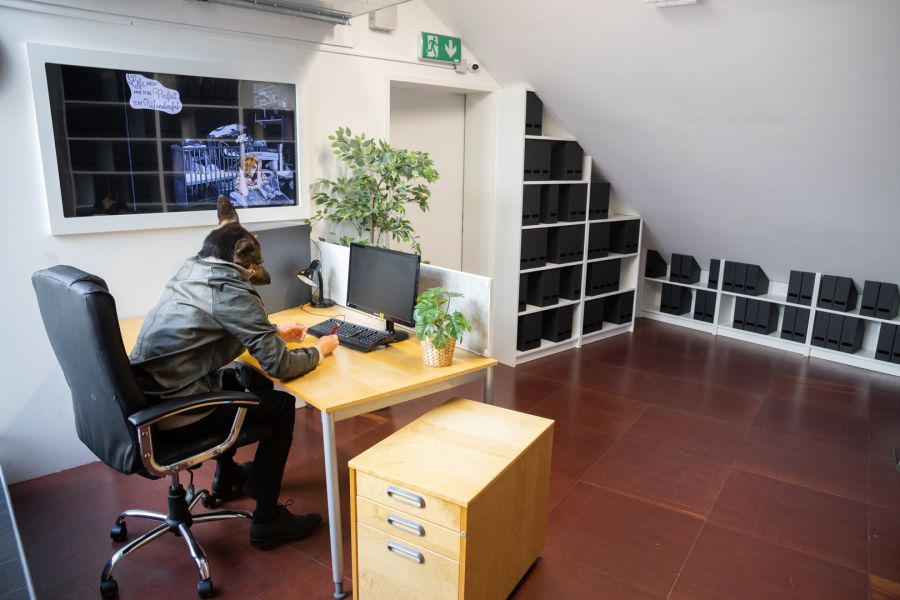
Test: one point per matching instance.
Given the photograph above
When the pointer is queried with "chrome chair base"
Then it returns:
(179, 523)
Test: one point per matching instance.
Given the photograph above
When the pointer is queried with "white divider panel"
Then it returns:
(476, 290)
(475, 303)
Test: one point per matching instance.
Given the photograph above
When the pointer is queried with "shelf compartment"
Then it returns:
(531, 206)
(838, 332)
(837, 294)
(795, 323)
(566, 161)
(744, 278)
(537, 159)
(612, 256)
(880, 300)
(700, 285)
(598, 203)
(800, 287)
(531, 309)
(533, 253)
(544, 347)
(534, 116)
(528, 332)
(556, 325)
(603, 277)
(675, 300)
(565, 246)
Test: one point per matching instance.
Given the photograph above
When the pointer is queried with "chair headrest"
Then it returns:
(72, 277)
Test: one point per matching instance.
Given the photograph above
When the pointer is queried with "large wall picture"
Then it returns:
(133, 142)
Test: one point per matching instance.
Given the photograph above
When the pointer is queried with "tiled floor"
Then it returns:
(684, 467)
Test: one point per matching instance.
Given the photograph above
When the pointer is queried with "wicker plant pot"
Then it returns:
(434, 357)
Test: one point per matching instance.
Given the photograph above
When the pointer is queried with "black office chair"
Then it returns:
(118, 422)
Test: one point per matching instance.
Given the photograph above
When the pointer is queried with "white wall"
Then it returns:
(36, 428)
(434, 121)
(757, 130)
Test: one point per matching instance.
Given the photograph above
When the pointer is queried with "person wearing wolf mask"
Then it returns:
(209, 313)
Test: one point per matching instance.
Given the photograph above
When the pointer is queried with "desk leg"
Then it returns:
(489, 385)
(334, 504)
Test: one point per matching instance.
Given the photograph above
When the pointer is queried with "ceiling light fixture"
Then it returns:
(290, 7)
(669, 2)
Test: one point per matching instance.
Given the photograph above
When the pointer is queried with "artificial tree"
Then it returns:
(373, 196)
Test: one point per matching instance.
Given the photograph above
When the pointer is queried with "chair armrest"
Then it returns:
(164, 410)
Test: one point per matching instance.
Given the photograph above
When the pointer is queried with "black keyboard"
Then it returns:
(353, 335)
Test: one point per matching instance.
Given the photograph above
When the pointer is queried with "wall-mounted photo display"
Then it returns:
(136, 142)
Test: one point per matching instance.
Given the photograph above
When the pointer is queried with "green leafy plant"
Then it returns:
(434, 320)
(381, 182)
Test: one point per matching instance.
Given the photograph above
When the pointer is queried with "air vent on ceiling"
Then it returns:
(333, 11)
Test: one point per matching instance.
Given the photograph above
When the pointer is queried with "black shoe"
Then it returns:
(285, 528)
(223, 484)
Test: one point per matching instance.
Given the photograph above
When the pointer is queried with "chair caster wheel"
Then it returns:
(208, 501)
(119, 532)
(205, 588)
(109, 589)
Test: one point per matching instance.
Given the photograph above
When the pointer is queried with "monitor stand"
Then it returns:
(397, 335)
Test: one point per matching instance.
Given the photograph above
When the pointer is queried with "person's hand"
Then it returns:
(291, 332)
(327, 344)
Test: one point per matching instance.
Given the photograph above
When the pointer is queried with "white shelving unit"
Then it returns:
(508, 230)
(651, 288)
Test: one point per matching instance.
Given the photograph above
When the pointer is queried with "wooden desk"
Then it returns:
(350, 383)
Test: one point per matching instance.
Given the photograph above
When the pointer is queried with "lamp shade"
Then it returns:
(312, 276)
(308, 275)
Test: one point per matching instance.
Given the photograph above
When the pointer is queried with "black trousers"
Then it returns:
(275, 414)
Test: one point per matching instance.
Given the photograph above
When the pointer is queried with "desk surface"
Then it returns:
(348, 377)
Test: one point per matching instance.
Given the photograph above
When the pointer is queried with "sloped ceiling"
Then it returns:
(766, 131)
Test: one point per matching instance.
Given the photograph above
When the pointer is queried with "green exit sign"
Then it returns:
(440, 48)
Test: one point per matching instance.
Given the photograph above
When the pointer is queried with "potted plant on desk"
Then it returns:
(437, 328)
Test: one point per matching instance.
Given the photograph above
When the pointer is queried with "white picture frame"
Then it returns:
(58, 224)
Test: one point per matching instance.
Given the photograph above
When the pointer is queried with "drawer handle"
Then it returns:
(407, 553)
(406, 525)
(406, 497)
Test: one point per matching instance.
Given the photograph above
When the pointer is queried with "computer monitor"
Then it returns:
(384, 283)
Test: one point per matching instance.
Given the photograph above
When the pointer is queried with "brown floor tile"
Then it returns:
(682, 432)
(625, 538)
(884, 425)
(728, 564)
(840, 399)
(708, 400)
(657, 362)
(884, 546)
(667, 479)
(543, 581)
(560, 485)
(820, 524)
(576, 449)
(566, 368)
(607, 414)
(515, 389)
(815, 465)
(306, 576)
(884, 481)
(48, 575)
(848, 431)
(817, 370)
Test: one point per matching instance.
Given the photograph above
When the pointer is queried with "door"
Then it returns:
(434, 121)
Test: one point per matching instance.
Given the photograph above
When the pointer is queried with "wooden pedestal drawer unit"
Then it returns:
(452, 506)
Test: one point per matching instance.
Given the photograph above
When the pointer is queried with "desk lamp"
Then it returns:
(312, 276)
